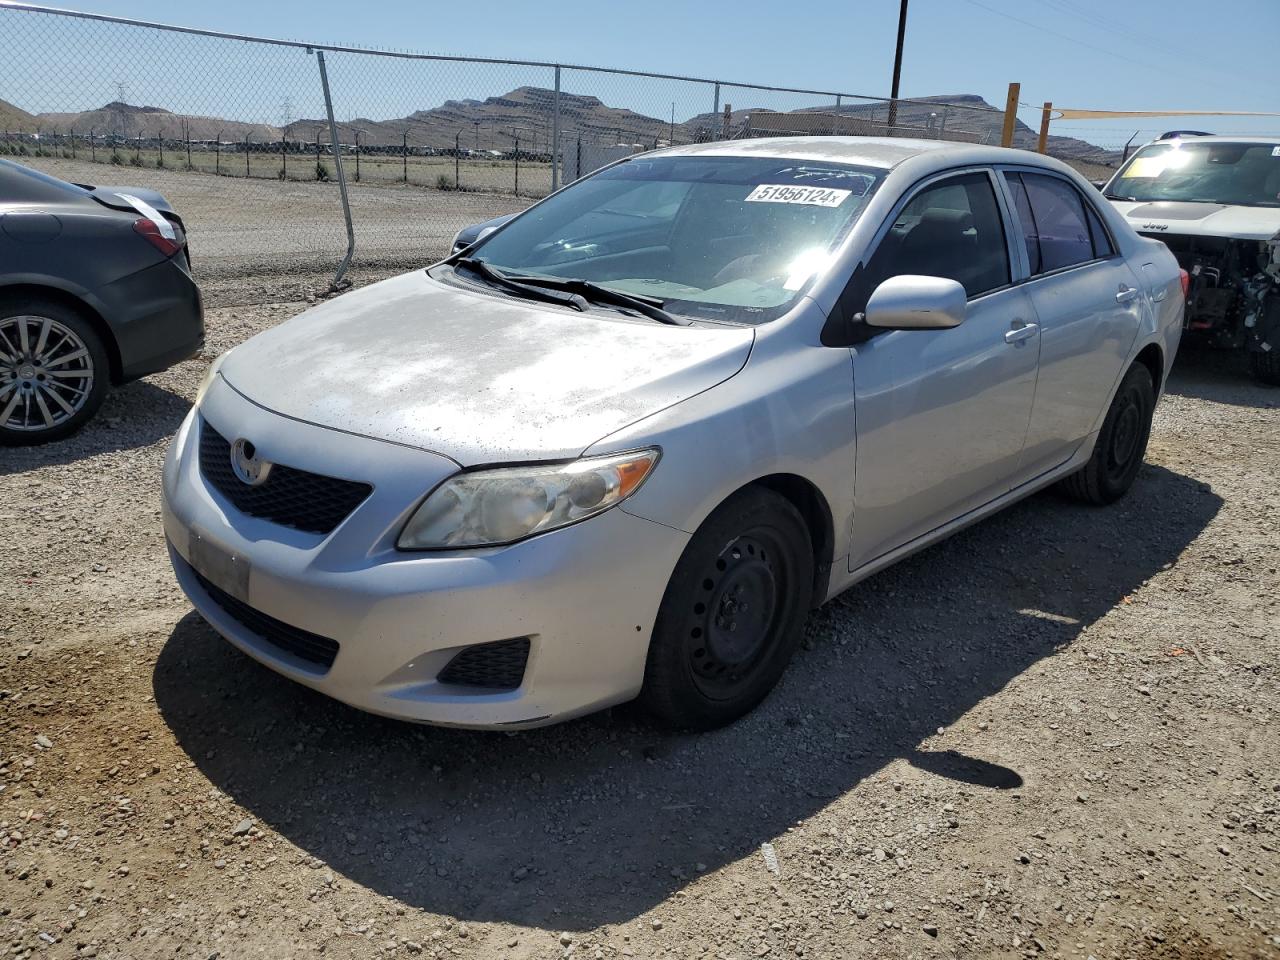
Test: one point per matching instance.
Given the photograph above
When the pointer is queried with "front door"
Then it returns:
(942, 414)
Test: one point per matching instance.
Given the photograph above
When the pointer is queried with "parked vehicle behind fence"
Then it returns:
(1215, 202)
(619, 446)
(95, 290)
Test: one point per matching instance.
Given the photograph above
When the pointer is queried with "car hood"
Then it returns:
(478, 378)
(1201, 219)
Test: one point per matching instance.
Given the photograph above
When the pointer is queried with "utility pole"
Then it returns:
(897, 67)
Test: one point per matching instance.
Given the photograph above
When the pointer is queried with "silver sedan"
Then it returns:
(621, 445)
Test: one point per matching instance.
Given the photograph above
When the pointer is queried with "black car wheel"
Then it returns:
(1265, 367)
(732, 613)
(53, 371)
(1121, 445)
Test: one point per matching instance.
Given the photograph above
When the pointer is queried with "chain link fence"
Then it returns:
(236, 132)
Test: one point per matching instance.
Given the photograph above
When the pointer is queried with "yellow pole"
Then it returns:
(1044, 127)
(1010, 115)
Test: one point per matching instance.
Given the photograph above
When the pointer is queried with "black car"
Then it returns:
(95, 291)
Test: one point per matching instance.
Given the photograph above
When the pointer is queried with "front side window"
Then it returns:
(951, 229)
(732, 238)
(1245, 174)
(1055, 227)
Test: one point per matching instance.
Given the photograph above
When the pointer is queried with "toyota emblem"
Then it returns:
(251, 469)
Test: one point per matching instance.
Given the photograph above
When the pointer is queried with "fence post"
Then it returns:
(727, 122)
(357, 156)
(186, 135)
(342, 180)
(93, 146)
(160, 162)
(1043, 144)
(317, 153)
(284, 159)
(555, 135)
(1010, 115)
(517, 153)
(137, 154)
(404, 155)
(715, 104)
(457, 153)
(217, 155)
(246, 155)
(73, 143)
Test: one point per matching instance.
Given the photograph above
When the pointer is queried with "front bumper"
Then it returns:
(585, 595)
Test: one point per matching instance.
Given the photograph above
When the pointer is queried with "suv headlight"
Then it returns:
(487, 508)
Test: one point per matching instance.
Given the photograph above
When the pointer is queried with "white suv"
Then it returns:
(1215, 201)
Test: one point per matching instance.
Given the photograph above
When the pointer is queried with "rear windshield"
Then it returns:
(731, 238)
(1244, 174)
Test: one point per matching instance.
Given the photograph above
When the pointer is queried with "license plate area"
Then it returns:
(225, 570)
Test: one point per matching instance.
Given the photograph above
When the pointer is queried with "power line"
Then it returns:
(1063, 36)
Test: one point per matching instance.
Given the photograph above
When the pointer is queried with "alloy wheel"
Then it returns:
(46, 373)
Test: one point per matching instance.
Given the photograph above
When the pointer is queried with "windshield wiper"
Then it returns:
(647, 306)
(498, 278)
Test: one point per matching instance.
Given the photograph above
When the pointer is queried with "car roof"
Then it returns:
(882, 152)
(1219, 139)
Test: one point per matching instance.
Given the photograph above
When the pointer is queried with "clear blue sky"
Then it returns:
(1152, 54)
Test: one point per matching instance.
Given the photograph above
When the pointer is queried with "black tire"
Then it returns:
(1265, 367)
(732, 613)
(1122, 443)
(39, 400)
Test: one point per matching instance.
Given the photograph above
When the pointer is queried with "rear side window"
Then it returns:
(1060, 229)
(951, 229)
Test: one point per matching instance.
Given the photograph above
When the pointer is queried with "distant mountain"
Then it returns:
(11, 118)
(966, 113)
(525, 112)
(128, 120)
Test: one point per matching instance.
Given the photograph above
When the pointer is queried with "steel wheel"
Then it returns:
(46, 374)
(732, 613)
(734, 617)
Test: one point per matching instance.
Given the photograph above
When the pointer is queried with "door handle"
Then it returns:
(1021, 331)
(1126, 294)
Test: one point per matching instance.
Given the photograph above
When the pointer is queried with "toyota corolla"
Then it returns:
(620, 446)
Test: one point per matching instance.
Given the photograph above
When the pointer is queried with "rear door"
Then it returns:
(1087, 302)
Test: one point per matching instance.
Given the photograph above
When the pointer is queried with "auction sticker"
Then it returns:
(785, 193)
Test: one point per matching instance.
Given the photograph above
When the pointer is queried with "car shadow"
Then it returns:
(134, 415)
(1219, 376)
(599, 820)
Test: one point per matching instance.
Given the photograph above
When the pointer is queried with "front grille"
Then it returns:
(290, 497)
(303, 644)
(497, 666)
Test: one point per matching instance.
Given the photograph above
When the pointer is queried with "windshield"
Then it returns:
(1246, 174)
(727, 238)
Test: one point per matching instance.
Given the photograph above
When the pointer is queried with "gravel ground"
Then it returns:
(1054, 734)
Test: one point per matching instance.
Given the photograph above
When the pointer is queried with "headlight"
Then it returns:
(491, 507)
(209, 377)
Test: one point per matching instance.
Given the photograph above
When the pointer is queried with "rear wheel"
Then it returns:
(53, 371)
(732, 614)
(1265, 367)
(1122, 443)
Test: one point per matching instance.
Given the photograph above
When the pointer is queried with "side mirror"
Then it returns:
(477, 231)
(909, 302)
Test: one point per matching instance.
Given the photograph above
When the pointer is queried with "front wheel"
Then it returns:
(53, 371)
(732, 613)
(1122, 443)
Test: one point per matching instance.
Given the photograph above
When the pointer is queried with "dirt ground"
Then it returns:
(1054, 735)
